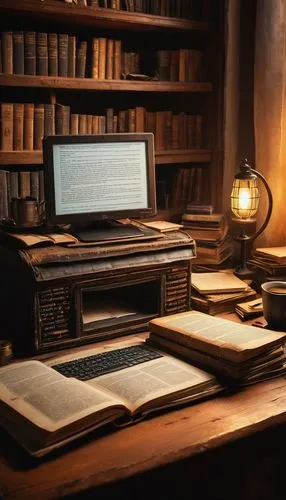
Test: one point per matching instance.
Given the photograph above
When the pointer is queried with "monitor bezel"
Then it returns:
(84, 218)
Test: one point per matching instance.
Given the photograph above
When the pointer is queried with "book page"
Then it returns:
(47, 398)
(196, 330)
(161, 378)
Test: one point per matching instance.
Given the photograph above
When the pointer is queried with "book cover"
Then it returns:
(7, 52)
(18, 126)
(81, 50)
(28, 126)
(7, 126)
(42, 67)
(38, 126)
(72, 60)
(63, 54)
(30, 52)
(53, 54)
(18, 53)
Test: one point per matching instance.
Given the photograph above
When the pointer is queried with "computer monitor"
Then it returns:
(93, 179)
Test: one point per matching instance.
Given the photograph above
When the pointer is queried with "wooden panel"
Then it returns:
(91, 84)
(107, 18)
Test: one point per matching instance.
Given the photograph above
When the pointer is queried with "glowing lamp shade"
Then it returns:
(244, 198)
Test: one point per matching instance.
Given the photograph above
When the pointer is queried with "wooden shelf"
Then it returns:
(183, 156)
(104, 85)
(61, 12)
(172, 156)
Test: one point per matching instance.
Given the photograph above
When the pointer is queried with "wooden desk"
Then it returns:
(230, 447)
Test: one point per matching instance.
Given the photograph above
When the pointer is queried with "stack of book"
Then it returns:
(269, 264)
(218, 292)
(210, 231)
(240, 354)
(249, 310)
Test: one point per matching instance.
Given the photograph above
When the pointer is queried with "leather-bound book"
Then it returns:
(71, 56)
(63, 54)
(6, 126)
(74, 123)
(109, 58)
(42, 54)
(53, 54)
(18, 126)
(18, 53)
(49, 119)
(81, 59)
(7, 52)
(28, 126)
(62, 119)
(38, 125)
(30, 52)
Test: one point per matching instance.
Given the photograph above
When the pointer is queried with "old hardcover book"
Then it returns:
(102, 58)
(272, 254)
(30, 52)
(49, 119)
(18, 126)
(42, 54)
(82, 124)
(38, 125)
(62, 116)
(63, 40)
(7, 126)
(117, 60)
(249, 309)
(18, 53)
(217, 303)
(74, 123)
(204, 220)
(195, 208)
(4, 211)
(95, 59)
(81, 50)
(72, 56)
(24, 184)
(7, 52)
(217, 282)
(53, 54)
(109, 59)
(14, 184)
(51, 409)
(217, 336)
(28, 126)
(89, 123)
(34, 185)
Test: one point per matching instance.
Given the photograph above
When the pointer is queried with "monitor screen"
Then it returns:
(99, 177)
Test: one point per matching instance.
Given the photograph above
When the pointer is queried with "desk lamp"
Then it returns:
(244, 205)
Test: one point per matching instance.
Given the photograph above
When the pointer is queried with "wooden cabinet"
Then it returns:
(178, 98)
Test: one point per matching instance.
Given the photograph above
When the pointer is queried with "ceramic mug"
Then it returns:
(274, 304)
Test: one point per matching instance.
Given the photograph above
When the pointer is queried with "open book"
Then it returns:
(43, 409)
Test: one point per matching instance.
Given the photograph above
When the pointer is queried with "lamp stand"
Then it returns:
(242, 271)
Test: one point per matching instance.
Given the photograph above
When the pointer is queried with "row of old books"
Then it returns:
(61, 54)
(23, 126)
(210, 231)
(23, 184)
(187, 187)
(217, 292)
(196, 9)
(239, 354)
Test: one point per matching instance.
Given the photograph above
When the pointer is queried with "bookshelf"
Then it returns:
(192, 104)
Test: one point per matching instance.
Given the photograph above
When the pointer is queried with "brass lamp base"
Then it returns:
(244, 273)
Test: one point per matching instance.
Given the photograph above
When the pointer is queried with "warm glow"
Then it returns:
(244, 200)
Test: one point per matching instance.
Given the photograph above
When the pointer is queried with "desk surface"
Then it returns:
(110, 455)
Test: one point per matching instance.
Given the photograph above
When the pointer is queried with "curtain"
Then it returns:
(270, 115)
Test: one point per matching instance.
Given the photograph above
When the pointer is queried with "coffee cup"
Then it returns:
(274, 304)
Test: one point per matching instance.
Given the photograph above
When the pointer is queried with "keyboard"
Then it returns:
(106, 362)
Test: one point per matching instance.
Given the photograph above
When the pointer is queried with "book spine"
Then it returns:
(82, 124)
(42, 54)
(89, 124)
(18, 53)
(95, 124)
(38, 126)
(117, 60)
(81, 59)
(41, 186)
(24, 184)
(102, 58)
(49, 119)
(63, 54)
(71, 56)
(28, 126)
(4, 212)
(109, 59)
(109, 120)
(7, 52)
(14, 185)
(34, 185)
(95, 59)
(30, 52)
(62, 119)
(18, 127)
(53, 54)
(74, 123)
(7, 126)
